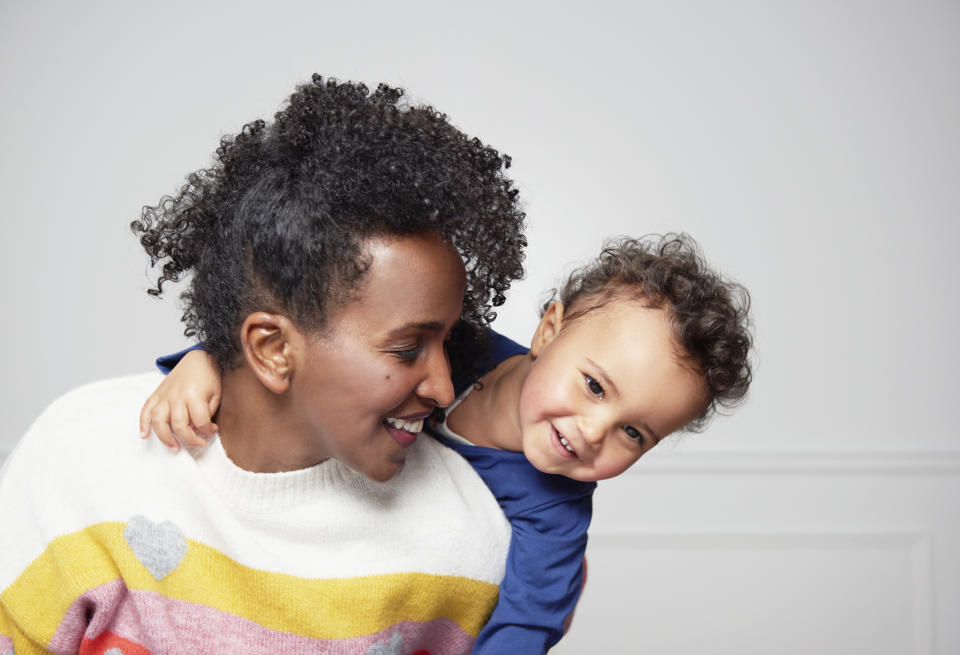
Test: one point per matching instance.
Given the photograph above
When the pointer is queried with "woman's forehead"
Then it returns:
(410, 279)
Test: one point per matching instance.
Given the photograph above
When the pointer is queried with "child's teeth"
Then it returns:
(566, 444)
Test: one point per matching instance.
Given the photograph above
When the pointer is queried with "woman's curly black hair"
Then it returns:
(278, 222)
(709, 314)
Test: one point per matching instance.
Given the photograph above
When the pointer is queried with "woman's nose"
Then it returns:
(436, 384)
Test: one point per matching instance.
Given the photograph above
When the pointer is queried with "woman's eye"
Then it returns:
(633, 433)
(594, 386)
(407, 355)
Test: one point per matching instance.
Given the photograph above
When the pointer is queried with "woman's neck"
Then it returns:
(490, 416)
(254, 430)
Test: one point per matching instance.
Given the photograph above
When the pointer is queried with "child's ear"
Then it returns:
(267, 345)
(549, 327)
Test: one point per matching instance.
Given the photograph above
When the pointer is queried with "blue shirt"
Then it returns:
(549, 516)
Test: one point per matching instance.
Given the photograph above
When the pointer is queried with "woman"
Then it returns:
(330, 253)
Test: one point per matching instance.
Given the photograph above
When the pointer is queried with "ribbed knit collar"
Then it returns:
(266, 492)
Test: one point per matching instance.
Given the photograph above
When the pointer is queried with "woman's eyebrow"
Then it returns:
(425, 326)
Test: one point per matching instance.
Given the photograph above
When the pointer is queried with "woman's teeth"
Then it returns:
(413, 426)
(566, 444)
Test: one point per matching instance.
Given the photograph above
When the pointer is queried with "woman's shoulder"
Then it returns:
(104, 406)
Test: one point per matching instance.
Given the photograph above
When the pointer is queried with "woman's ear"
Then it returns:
(548, 328)
(268, 346)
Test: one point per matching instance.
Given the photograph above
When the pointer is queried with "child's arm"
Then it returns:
(184, 403)
(543, 580)
(549, 516)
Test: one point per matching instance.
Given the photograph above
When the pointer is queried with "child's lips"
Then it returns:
(558, 445)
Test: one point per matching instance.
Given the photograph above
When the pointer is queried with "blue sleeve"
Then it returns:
(502, 347)
(166, 362)
(543, 580)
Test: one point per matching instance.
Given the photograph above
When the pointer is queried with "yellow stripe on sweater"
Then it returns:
(319, 608)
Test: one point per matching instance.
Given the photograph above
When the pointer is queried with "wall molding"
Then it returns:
(918, 544)
(786, 537)
(823, 461)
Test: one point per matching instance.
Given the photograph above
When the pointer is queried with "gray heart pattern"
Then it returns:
(159, 546)
(392, 647)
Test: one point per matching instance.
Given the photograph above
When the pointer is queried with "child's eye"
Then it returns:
(633, 433)
(593, 386)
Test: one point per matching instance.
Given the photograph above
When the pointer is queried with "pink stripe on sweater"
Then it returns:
(87, 616)
(166, 626)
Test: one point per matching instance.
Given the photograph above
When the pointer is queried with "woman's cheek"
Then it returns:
(397, 384)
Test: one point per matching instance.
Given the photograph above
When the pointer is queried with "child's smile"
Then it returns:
(603, 389)
(565, 449)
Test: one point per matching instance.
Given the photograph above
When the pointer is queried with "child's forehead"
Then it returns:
(626, 323)
(633, 347)
(614, 308)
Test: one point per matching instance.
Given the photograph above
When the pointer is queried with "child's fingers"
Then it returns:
(160, 422)
(212, 405)
(180, 424)
(145, 413)
(200, 418)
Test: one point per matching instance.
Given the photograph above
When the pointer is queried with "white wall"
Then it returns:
(812, 147)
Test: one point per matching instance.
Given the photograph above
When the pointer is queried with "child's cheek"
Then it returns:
(615, 465)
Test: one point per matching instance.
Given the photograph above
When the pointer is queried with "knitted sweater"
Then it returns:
(109, 546)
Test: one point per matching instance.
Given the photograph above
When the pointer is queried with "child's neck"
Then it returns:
(489, 416)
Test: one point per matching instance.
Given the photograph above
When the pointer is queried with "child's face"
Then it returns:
(367, 383)
(603, 389)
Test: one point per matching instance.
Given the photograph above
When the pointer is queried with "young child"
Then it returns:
(644, 341)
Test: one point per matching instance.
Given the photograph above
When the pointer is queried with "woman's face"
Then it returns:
(365, 384)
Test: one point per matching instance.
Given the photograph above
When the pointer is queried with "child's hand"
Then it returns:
(184, 403)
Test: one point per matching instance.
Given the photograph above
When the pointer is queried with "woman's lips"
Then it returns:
(404, 431)
(402, 437)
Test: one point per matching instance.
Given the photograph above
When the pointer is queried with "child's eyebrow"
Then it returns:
(656, 437)
(603, 376)
(426, 326)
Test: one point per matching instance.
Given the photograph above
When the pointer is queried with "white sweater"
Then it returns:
(108, 541)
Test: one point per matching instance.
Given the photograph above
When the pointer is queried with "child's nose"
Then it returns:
(592, 431)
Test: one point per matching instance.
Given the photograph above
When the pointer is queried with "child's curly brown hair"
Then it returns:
(709, 314)
(280, 218)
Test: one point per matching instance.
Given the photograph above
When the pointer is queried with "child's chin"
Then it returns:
(544, 465)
